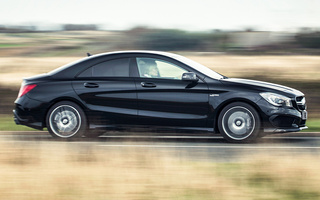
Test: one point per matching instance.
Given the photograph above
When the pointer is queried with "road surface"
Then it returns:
(203, 147)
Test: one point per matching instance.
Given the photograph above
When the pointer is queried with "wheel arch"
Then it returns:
(229, 101)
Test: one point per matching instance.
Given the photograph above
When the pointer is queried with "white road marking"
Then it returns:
(217, 147)
(201, 137)
(167, 136)
(24, 132)
(294, 137)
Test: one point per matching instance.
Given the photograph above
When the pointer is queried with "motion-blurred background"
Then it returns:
(277, 41)
(267, 40)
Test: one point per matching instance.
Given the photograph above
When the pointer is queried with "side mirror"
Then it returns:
(189, 76)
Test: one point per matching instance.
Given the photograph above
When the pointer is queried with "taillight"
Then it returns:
(25, 89)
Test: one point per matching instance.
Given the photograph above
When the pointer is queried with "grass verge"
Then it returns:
(313, 124)
(7, 124)
(66, 171)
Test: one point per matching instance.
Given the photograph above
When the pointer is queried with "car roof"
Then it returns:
(172, 55)
(66, 71)
(92, 57)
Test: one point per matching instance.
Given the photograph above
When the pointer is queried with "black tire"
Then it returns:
(66, 119)
(239, 122)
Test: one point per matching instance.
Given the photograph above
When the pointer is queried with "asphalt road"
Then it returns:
(202, 147)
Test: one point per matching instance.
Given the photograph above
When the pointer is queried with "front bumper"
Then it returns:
(282, 119)
(283, 130)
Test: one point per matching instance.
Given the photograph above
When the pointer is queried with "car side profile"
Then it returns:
(155, 90)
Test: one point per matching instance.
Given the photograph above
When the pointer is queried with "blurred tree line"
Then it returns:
(80, 27)
(226, 41)
(306, 41)
(177, 40)
(309, 39)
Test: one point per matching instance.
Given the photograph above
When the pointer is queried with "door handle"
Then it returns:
(148, 84)
(91, 85)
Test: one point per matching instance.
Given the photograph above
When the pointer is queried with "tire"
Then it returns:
(66, 119)
(239, 122)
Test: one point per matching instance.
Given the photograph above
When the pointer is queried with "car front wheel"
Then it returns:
(239, 122)
(66, 120)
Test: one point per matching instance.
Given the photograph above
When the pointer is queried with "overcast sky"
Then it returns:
(194, 15)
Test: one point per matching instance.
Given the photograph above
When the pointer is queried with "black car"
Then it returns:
(155, 90)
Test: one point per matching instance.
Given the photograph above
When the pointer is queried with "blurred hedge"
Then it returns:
(177, 40)
(216, 40)
(308, 40)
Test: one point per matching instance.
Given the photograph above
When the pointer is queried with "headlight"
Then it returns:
(276, 99)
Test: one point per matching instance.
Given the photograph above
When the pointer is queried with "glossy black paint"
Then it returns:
(172, 103)
(144, 102)
(114, 100)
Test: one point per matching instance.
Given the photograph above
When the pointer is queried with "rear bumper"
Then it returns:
(29, 112)
(18, 120)
(27, 121)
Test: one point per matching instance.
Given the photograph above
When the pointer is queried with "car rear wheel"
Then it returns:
(239, 122)
(66, 120)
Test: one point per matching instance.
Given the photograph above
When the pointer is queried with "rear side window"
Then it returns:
(110, 68)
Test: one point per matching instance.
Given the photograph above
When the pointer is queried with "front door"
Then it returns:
(166, 100)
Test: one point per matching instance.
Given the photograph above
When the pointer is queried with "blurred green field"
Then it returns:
(313, 124)
(7, 124)
(11, 45)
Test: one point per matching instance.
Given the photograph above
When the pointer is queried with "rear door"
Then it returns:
(164, 99)
(109, 92)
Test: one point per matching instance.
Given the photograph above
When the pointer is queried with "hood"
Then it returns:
(265, 85)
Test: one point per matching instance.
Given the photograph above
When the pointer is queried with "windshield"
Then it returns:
(197, 66)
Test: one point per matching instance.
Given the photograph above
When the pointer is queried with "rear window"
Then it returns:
(110, 68)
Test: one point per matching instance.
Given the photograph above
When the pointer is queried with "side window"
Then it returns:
(110, 68)
(155, 68)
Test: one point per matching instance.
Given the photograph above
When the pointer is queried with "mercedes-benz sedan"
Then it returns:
(154, 90)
